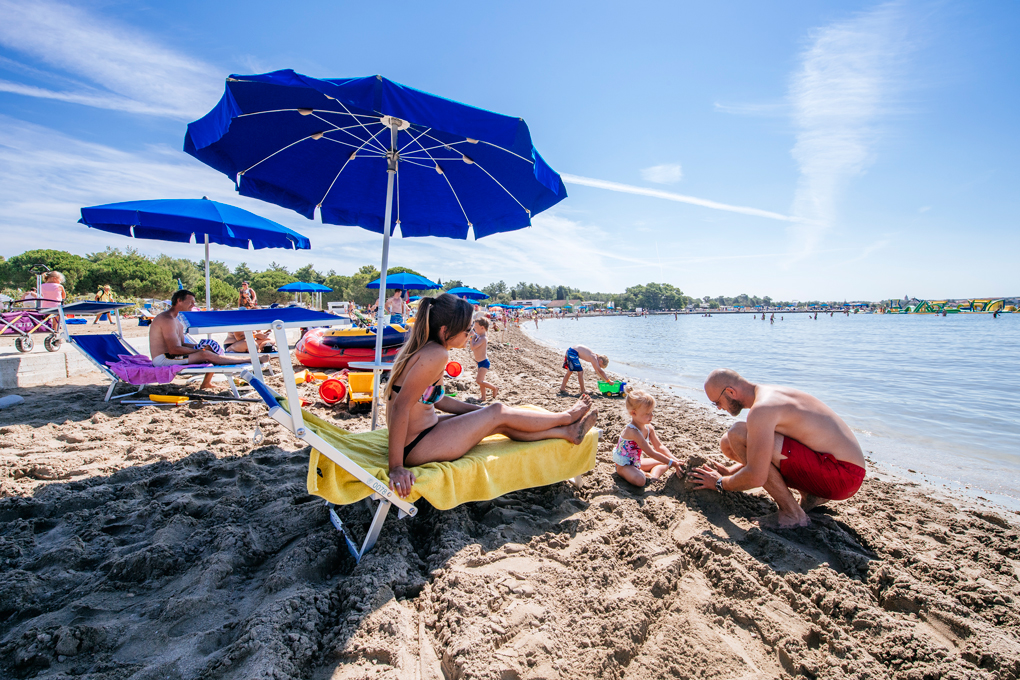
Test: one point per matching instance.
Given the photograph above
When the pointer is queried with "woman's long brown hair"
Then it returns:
(433, 313)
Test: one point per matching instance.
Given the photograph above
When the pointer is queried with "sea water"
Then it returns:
(930, 396)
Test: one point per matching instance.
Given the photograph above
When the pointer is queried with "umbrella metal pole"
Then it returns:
(208, 289)
(391, 172)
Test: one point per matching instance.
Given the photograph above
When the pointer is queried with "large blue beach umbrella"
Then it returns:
(468, 293)
(179, 220)
(406, 281)
(363, 151)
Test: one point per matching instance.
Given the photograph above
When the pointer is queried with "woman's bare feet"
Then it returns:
(782, 520)
(581, 427)
(577, 411)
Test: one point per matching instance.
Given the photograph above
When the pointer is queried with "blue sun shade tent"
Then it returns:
(468, 293)
(405, 281)
(302, 287)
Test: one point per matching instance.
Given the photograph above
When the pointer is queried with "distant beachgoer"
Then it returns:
(396, 307)
(247, 297)
(535, 316)
(572, 362)
(780, 447)
(417, 435)
(639, 455)
(52, 290)
(166, 340)
(236, 343)
(479, 345)
(104, 294)
(816, 316)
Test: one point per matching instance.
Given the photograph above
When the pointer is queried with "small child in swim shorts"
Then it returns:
(479, 345)
(572, 363)
(639, 455)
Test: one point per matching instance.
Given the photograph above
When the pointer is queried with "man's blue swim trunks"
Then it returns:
(572, 362)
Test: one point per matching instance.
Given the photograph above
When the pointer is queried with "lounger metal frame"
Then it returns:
(294, 422)
(116, 380)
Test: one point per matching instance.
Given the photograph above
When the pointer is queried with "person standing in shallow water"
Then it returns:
(791, 440)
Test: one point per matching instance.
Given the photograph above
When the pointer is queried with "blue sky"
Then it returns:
(796, 149)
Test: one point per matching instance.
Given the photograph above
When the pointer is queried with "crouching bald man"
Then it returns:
(791, 440)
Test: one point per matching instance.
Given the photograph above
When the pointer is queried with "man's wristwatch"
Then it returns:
(718, 485)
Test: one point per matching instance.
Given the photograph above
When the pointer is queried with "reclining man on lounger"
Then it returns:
(166, 340)
(781, 447)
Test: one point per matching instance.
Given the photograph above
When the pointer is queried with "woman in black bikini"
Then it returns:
(417, 435)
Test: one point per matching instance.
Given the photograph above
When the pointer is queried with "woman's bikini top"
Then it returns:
(430, 396)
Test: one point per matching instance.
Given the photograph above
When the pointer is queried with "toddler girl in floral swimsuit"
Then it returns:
(639, 455)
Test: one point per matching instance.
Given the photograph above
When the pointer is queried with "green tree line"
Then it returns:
(133, 275)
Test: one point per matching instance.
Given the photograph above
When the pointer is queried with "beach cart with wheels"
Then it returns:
(24, 319)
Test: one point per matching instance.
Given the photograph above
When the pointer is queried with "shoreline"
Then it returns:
(159, 542)
(959, 491)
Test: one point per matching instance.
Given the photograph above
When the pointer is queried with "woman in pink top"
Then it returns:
(52, 292)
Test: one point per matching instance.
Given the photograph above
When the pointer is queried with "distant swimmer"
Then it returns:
(791, 440)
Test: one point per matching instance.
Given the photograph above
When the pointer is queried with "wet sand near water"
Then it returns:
(159, 542)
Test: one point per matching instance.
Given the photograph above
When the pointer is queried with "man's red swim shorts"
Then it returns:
(818, 474)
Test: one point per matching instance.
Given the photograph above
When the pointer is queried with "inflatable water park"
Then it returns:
(973, 306)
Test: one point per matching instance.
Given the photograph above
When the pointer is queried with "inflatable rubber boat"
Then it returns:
(324, 348)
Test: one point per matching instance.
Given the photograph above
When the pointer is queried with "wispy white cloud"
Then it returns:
(924, 208)
(668, 173)
(679, 198)
(869, 250)
(846, 81)
(47, 176)
(127, 69)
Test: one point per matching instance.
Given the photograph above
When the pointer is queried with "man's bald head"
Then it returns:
(727, 390)
(722, 378)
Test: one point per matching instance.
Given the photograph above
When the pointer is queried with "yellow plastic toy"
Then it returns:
(167, 398)
(360, 391)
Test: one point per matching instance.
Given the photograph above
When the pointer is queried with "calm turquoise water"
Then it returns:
(936, 395)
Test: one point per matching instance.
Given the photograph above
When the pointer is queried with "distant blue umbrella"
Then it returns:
(302, 287)
(178, 220)
(405, 281)
(468, 293)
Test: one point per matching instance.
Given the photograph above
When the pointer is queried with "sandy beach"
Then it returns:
(159, 542)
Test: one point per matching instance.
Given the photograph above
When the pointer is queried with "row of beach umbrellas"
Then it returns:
(364, 152)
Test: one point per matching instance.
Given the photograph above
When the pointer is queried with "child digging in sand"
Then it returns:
(639, 455)
(572, 362)
(479, 345)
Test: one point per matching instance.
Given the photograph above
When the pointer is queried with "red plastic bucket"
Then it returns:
(453, 369)
(332, 391)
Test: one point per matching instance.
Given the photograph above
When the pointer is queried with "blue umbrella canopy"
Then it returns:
(178, 220)
(307, 143)
(468, 293)
(405, 281)
(372, 153)
(302, 287)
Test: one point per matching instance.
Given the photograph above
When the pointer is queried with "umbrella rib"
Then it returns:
(452, 190)
(274, 153)
(375, 154)
(502, 187)
(495, 146)
(344, 166)
(384, 149)
(415, 139)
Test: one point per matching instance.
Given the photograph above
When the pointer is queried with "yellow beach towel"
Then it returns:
(496, 466)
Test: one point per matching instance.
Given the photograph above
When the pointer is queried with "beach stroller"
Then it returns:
(26, 319)
(346, 467)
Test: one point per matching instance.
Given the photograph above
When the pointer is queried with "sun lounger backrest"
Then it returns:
(103, 349)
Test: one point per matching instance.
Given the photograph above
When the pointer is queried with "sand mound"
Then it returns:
(159, 543)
